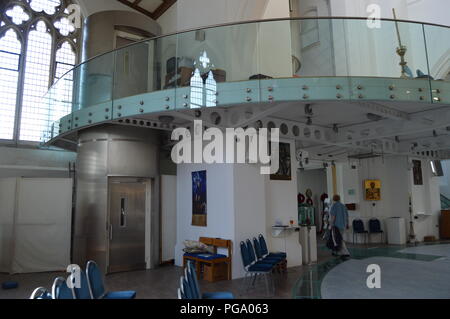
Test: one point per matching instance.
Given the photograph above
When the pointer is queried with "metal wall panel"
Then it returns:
(103, 152)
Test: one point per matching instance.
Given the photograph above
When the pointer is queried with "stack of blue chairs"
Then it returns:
(259, 262)
(265, 251)
(97, 287)
(41, 293)
(190, 289)
(92, 287)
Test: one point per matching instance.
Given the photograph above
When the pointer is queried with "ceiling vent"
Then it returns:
(364, 156)
(374, 117)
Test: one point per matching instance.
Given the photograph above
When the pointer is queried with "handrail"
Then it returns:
(250, 22)
(231, 54)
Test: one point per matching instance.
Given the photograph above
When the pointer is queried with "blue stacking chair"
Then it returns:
(179, 294)
(358, 228)
(41, 293)
(191, 276)
(60, 290)
(375, 227)
(185, 289)
(83, 291)
(276, 260)
(265, 252)
(253, 268)
(97, 288)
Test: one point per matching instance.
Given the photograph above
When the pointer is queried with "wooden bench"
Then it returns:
(215, 266)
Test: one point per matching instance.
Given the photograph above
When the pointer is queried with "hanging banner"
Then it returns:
(199, 207)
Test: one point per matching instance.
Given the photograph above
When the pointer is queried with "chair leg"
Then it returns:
(244, 284)
(254, 279)
(266, 279)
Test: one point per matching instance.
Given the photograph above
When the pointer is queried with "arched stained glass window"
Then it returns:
(10, 52)
(65, 61)
(37, 77)
(48, 49)
(211, 90)
(196, 90)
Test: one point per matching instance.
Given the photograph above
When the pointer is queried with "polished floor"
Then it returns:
(162, 283)
(424, 269)
(299, 282)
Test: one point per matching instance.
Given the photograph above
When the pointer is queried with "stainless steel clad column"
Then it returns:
(104, 153)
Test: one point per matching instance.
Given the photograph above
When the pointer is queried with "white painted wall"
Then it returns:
(220, 205)
(432, 11)
(190, 14)
(89, 7)
(281, 201)
(396, 185)
(426, 199)
(168, 216)
(250, 209)
(22, 162)
(242, 204)
(168, 21)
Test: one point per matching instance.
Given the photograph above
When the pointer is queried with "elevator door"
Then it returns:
(127, 226)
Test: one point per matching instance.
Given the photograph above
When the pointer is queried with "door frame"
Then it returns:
(149, 187)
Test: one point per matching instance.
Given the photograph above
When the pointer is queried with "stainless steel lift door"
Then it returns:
(127, 226)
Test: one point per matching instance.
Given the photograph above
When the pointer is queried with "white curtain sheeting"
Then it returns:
(35, 222)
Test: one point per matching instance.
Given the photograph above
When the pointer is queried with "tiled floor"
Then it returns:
(299, 282)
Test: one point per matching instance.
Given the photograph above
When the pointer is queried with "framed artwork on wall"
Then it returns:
(372, 189)
(199, 199)
(285, 171)
(417, 172)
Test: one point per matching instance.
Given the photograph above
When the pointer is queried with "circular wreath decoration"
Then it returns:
(309, 201)
(301, 198)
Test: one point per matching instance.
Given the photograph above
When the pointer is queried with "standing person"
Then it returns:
(339, 219)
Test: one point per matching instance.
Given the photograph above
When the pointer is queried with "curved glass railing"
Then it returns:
(188, 69)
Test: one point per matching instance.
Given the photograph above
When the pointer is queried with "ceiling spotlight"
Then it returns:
(308, 110)
(309, 121)
(374, 117)
(166, 119)
(198, 113)
(335, 128)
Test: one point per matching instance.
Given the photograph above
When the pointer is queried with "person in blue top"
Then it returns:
(339, 219)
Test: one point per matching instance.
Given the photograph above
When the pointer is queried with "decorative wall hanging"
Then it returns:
(372, 189)
(417, 172)
(300, 198)
(199, 206)
(284, 172)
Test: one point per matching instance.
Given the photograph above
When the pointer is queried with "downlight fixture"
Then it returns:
(335, 128)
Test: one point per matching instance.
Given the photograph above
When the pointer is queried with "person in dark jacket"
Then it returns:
(339, 223)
